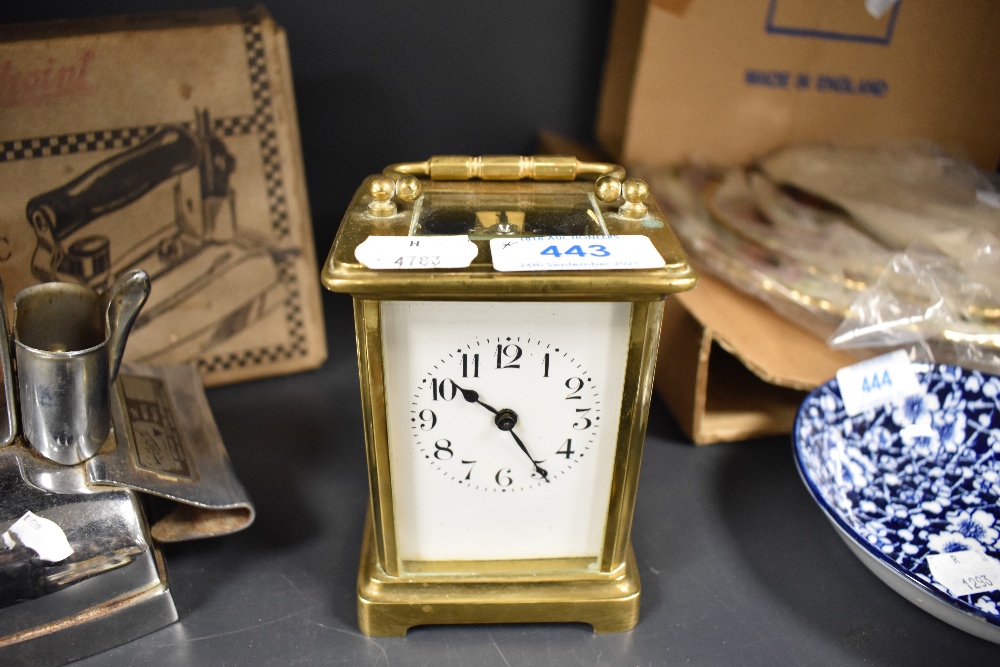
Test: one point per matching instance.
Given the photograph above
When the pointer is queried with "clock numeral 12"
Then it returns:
(512, 352)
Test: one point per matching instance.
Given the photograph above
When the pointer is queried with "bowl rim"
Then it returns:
(848, 531)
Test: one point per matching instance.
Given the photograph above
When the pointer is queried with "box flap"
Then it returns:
(776, 350)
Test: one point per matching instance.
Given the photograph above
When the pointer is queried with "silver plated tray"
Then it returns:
(912, 478)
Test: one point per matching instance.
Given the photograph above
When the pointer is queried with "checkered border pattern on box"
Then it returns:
(80, 142)
(263, 119)
(261, 123)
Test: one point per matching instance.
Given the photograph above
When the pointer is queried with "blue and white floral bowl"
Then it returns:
(912, 478)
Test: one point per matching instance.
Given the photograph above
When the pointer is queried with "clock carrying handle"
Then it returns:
(400, 180)
(504, 168)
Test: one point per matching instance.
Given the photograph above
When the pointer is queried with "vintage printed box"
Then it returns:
(168, 143)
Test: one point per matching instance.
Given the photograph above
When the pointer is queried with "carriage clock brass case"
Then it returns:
(418, 566)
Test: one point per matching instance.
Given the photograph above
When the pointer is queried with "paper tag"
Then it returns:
(575, 253)
(43, 536)
(965, 572)
(877, 381)
(416, 252)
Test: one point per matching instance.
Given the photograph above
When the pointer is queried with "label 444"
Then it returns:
(877, 381)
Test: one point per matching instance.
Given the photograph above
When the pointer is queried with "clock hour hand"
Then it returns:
(473, 397)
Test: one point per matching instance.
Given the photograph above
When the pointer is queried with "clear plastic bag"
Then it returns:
(936, 307)
(799, 290)
(871, 249)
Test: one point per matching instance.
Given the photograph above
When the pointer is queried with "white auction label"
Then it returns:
(42, 535)
(575, 253)
(877, 381)
(416, 252)
(965, 572)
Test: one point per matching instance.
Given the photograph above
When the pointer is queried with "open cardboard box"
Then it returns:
(730, 368)
(728, 82)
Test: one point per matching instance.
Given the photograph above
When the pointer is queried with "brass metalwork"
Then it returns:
(644, 340)
(608, 187)
(388, 606)
(343, 273)
(381, 189)
(394, 596)
(504, 168)
(408, 188)
(635, 192)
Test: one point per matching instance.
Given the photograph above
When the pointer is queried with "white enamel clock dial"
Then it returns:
(503, 421)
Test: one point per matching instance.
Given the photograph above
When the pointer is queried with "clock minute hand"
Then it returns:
(539, 469)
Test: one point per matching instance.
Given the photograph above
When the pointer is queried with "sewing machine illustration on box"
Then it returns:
(211, 279)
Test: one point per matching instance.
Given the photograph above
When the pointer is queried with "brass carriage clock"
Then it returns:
(507, 312)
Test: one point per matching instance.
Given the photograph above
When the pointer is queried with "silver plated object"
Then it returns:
(80, 571)
(110, 590)
(69, 344)
(8, 419)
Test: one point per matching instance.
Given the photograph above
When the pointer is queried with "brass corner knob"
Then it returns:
(381, 190)
(408, 188)
(635, 191)
(608, 189)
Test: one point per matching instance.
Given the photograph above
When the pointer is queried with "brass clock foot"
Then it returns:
(389, 606)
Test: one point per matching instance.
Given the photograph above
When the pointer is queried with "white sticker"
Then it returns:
(877, 381)
(965, 572)
(416, 252)
(575, 253)
(42, 535)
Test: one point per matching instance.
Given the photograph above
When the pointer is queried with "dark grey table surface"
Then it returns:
(738, 564)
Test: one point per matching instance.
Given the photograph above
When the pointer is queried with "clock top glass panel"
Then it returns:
(517, 212)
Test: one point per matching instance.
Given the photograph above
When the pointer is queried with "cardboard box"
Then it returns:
(168, 143)
(726, 82)
(730, 368)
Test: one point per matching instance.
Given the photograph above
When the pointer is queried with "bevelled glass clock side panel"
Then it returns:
(502, 423)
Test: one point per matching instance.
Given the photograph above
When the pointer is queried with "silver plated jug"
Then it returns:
(69, 342)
